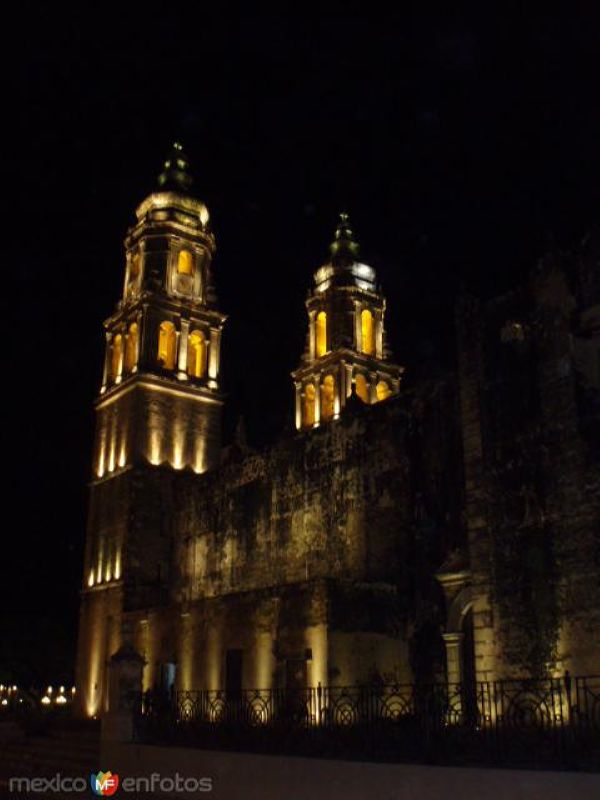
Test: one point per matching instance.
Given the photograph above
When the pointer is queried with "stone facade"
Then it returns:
(450, 530)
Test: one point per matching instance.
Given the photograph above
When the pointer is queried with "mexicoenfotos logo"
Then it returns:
(104, 783)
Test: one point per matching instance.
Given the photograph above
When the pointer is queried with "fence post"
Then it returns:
(124, 694)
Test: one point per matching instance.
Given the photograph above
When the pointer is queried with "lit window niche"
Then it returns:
(383, 390)
(131, 346)
(328, 397)
(117, 351)
(362, 387)
(185, 263)
(321, 334)
(308, 407)
(368, 332)
(167, 345)
(196, 363)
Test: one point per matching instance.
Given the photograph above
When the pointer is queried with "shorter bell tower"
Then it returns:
(346, 348)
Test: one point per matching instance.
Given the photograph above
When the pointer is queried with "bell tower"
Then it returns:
(159, 400)
(346, 349)
(158, 412)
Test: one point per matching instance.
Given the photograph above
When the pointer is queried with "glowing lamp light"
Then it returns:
(5, 702)
(61, 700)
(73, 690)
(46, 701)
(49, 690)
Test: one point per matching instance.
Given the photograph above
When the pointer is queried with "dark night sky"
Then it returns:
(457, 143)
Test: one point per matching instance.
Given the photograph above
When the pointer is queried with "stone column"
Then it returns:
(214, 352)
(373, 387)
(379, 334)
(138, 343)
(342, 393)
(357, 326)
(348, 369)
(298, 389)
(107, 354)
(317, 384)
(183, 350)
(311, 335)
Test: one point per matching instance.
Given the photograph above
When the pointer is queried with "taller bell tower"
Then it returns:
(346, 347)
(159, 400)
(158, 412)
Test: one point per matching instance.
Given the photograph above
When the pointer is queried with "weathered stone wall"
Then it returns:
(532, 488)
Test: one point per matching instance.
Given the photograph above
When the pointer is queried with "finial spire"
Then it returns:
(344, 249)
(175, 175)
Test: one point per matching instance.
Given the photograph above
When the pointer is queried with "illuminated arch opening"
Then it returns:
(383, 390)
(117, 350)
(368, 332)
(185, 263)
(167, 345)
(328, 397)
(362, 388)
(196, 365)
(308, 409)
(131, 347)
(321, 333)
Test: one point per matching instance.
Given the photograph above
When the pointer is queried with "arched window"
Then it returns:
(321, 333)
(185, 263)
(131, 346)
(328, 397)
(167, 345)
(362, 388)
(308, 408)
(196, 364)
(383, 390)
(117, 351)
(368, 332)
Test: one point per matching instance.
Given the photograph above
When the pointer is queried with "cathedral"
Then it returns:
(445, 532)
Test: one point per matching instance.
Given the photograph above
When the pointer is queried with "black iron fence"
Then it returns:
(549, 723)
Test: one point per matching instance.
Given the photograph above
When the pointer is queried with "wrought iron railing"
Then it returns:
(535, 723)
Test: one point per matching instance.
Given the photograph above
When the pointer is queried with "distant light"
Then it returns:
(49, 690)
(61, 700)
(73, 690)
(46, 701)
(5, 702)
(62, 690)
